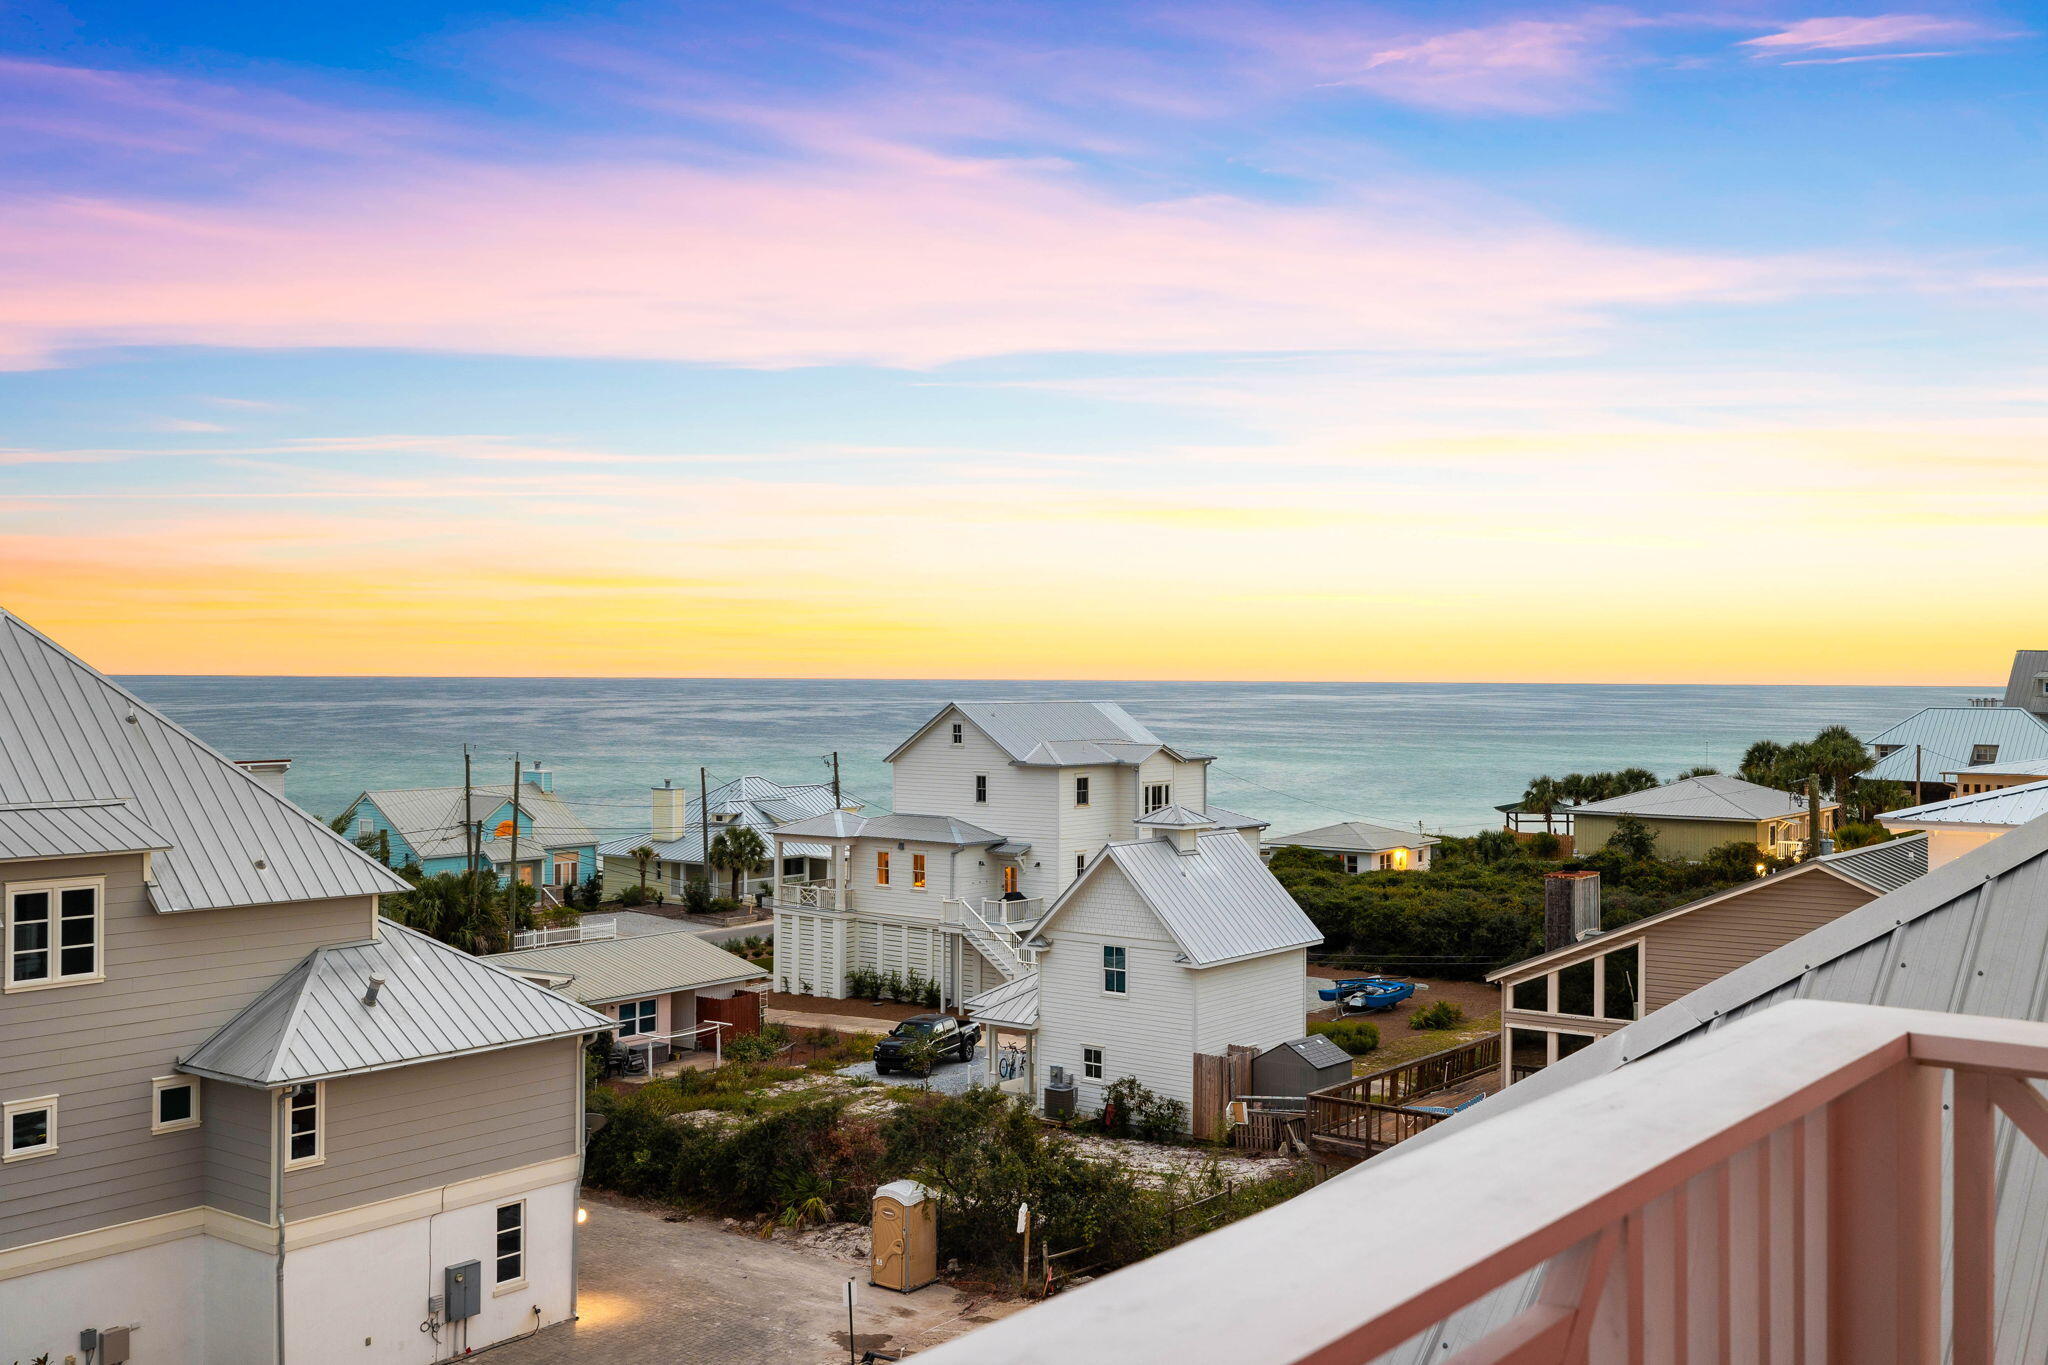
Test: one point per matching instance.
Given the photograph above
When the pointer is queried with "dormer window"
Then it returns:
(1983, 753)
(1158, 796)
(959, 733)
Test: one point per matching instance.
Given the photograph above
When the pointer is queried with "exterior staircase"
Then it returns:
(1000, 942)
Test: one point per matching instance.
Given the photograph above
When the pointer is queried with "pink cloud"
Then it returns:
(865, 252)
(1872, 30)
(1523, 66)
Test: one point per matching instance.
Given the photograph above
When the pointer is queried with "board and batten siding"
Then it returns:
(390, 1133)
(171, 980)
(1147, 1033)
(1256, 1003)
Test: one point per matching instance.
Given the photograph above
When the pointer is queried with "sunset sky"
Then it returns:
(1177, 340)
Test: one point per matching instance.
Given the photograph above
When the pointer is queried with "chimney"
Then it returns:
(671, 812)
(269, 771)
(370, 995)
(538, 777)
(1571, 908)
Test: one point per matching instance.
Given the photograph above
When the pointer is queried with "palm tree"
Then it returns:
(738, 850)
(1542, 798)
(1702, 771)
(643, 855)
(1837, 755)
(1634, 780)
(1762, 762)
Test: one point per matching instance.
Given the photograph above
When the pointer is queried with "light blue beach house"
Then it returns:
(429, 826)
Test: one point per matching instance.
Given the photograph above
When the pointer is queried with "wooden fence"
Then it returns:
(1219, 1079)
(1371, 1113)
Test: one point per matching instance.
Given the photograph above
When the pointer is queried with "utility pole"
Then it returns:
(512, 889)
(1916, 774)
(472, 844)
(704, 822)
(836, 802)
(1812, 818)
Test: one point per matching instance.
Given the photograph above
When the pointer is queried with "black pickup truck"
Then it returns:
(951, 1040)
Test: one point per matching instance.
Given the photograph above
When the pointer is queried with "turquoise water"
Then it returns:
(1296, 754)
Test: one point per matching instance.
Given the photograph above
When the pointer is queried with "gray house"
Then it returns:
(240, 1113)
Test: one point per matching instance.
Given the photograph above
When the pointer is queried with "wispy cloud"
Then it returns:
(1520, 66)
(1840, 32)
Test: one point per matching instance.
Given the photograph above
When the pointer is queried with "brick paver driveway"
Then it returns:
(693, 1293)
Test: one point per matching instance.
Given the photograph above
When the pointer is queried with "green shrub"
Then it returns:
(1543, 844)
(860, 984)
(725, 905)
(1355, 1036)
(757, 1047)
(697, 898)
(1131, 1110)
(892, 985)
(1440, 1014)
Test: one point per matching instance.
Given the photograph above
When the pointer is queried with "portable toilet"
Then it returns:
(904, 1252)
(1295, 1068)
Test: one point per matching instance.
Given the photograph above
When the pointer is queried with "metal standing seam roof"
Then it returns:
(1882, 867)
(1220, 904)
(2006, 806)
(1230, 819)
(75, 829)
(1014, 1004)
(70, 735)
(1355, 836)
(432, 819)
(756, 802)
(2028, 667)
(2036, 766)
(1060, 734)
(633, 968)
(1947, 735)
(1174, 817)
(922, 829)
(1970, 937)
(436, 1002)
(1716, 796)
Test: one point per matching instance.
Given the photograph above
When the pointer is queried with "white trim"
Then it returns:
(319, 1157)
(484, 1189)
(46, 1103)
(497, 1255)
(157, 1086)
(54, 889)
(1101, 1062)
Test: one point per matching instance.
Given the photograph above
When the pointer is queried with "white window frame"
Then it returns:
(319, 1156)
(45, 1103)
(881, 867)
(1082, 794)
(518, 1281)
(652, 1020)
(1098, 1064)
(1166, 796)
(55, 948)
(157, 1086)
(1988, 752)
(1080, 863)
(917, 872)
(981, 789)
(959, 733)
(1122, 969)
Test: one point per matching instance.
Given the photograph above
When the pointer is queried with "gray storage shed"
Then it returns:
(1300, 1066)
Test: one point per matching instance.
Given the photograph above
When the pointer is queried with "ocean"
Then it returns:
(1296, 754)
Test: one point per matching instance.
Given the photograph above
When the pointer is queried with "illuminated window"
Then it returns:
(917, 871)
(505, 828)
(881, 869)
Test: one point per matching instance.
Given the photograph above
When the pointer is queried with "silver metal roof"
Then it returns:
(1947, 735)
(1970, 937)
(1230, 819)
(432, 819)
(1717, 796)
(74, 829)
(1220, 903)
(922, 829)
(436, 1002)
(1064, 734)
(1174, 817)
(2007, 806)
(1354, 836)
(69, 734)
(633, 968)
(1014, 1004)
(1882, 867)
(756, 802)
(1316, 1049)
(2024, 687)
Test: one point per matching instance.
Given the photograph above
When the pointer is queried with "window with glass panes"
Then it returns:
(53, 933)
(635, 1018)
(302, 1125)
(1115, 970)
(511, 1243)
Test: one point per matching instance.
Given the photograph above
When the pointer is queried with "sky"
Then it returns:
(1308, 340)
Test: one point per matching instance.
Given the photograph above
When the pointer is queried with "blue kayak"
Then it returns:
(1368, 993)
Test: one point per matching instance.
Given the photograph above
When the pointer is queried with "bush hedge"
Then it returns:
(1355, 1036)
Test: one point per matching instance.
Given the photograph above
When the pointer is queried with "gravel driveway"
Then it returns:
(948, 1078)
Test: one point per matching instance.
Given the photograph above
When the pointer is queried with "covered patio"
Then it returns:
(1009, 1019)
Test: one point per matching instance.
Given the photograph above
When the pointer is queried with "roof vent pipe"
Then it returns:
(370, 995)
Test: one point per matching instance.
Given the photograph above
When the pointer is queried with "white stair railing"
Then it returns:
(998, 942)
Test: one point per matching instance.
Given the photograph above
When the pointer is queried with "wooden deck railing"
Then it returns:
(1373, 1110)
(1814, 1182)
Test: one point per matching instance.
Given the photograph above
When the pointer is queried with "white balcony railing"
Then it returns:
(588, 930)
(809, 895)
(1014, 912)
(1790, 1187)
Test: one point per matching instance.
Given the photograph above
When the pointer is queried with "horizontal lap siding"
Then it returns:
(936, 777)
(1258, 1004)
(420, 1127)
(171, 981)
(1691, 950)
(237, 1149)
(1149, 1032)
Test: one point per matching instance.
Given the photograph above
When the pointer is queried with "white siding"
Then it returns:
(969, 871)
(1148, 1032)
(810, 952)
(1256, 1003)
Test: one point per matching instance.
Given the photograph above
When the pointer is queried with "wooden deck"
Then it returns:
(1368, 1114)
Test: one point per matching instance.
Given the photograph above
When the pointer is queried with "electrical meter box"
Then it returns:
(463, 1286)
(904, 1254)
